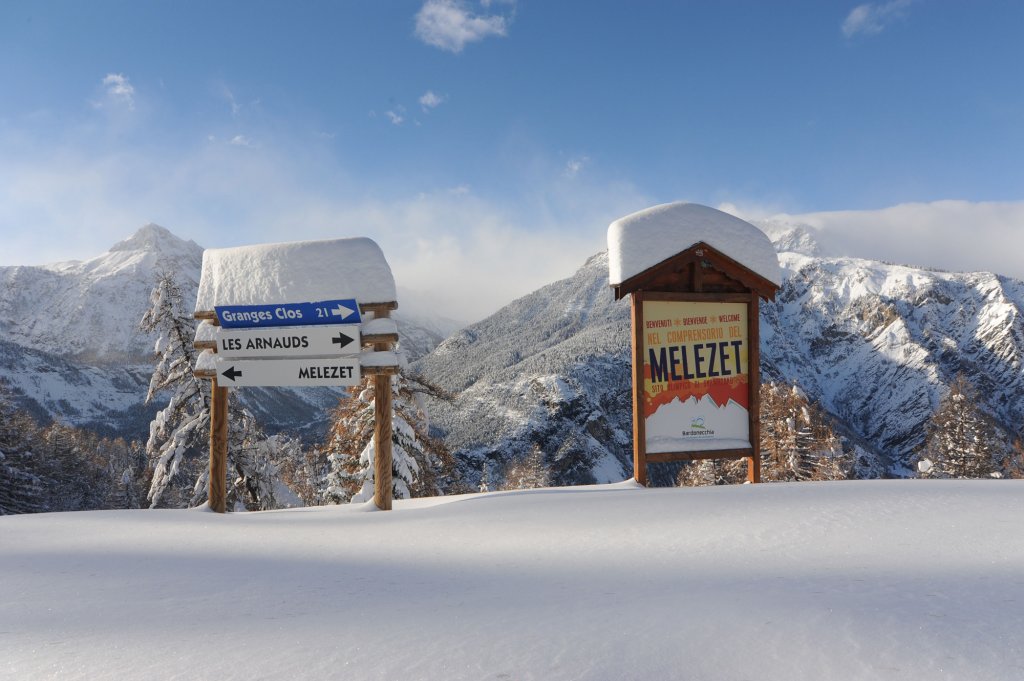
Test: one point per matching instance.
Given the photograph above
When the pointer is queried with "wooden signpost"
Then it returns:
(254, 369)
(695, 337)
(296, 343)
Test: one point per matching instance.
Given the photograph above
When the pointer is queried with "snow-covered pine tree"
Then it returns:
(306, 474)
(178, 436)
(421, 465)
(351, 429)
(798, 441)
(530, 472)
(485, 477)
(22, 488)
(699, 474)
(179, 432)
(712, 472)
(961, 441)
(1013, 462)
(75, 467)
(126, 468)
(257, 461)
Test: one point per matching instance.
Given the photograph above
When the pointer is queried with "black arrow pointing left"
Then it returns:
(342, 340)
(231, 373)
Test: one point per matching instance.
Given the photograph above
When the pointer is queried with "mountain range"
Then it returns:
(875, 344)
(71, 348)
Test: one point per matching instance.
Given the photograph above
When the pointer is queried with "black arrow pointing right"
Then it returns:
(342, 340)
(231, 373)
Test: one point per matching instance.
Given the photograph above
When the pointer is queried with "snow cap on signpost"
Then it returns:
(638, 243)
(288, 272)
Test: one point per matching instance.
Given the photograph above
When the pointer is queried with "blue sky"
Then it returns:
(496, 140)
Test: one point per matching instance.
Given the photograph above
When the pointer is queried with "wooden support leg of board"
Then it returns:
(218, 448)
(382, 442)
(754, 381)
(753, 469)
(382, 435)
(639, 432)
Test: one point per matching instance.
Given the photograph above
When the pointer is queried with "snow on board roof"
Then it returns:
(296, 272)
(648, 237)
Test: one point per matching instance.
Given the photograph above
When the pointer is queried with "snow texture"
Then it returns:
(206, 361)
(380, 358)
(379, 326)
(646, 238)
(832, 581)
(205, 332)
(295, 272)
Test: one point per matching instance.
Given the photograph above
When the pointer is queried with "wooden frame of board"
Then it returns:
(700, 274)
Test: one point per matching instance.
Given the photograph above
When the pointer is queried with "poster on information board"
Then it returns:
(696, 388)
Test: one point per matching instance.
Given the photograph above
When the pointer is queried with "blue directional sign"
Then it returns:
(345, 311)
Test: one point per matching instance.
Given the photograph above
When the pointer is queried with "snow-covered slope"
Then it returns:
(916, 580)
(550, 369)
(876, 344)
(71, 345)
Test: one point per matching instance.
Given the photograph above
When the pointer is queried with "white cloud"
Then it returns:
(951, 235)
(575, 165)
(448, 25)
(119, 90)
(429, 100)
(229, 97)
(464, 254)
(395, 118)
(873, 18)
(240, 141)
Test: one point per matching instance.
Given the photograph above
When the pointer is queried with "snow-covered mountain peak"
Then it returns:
(150, 248)
(92, 308)
(789, 236)
(153, 238)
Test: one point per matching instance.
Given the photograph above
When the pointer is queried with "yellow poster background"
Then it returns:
(699, 351)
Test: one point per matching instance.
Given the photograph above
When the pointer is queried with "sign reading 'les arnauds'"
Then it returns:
(696, 382)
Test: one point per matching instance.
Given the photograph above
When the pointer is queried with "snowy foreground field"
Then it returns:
(854, 580)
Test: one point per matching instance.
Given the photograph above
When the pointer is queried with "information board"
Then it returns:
(696, 392)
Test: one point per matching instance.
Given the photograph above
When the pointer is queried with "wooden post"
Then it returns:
(639, 431)
(382, 432)
(754, 385)
(217, 494)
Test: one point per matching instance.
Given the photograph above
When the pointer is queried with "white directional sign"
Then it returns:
(319, 371)
(289, 341)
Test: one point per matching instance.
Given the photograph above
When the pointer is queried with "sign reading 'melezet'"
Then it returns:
(696, 393)
(343, 311)
(313, 372)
